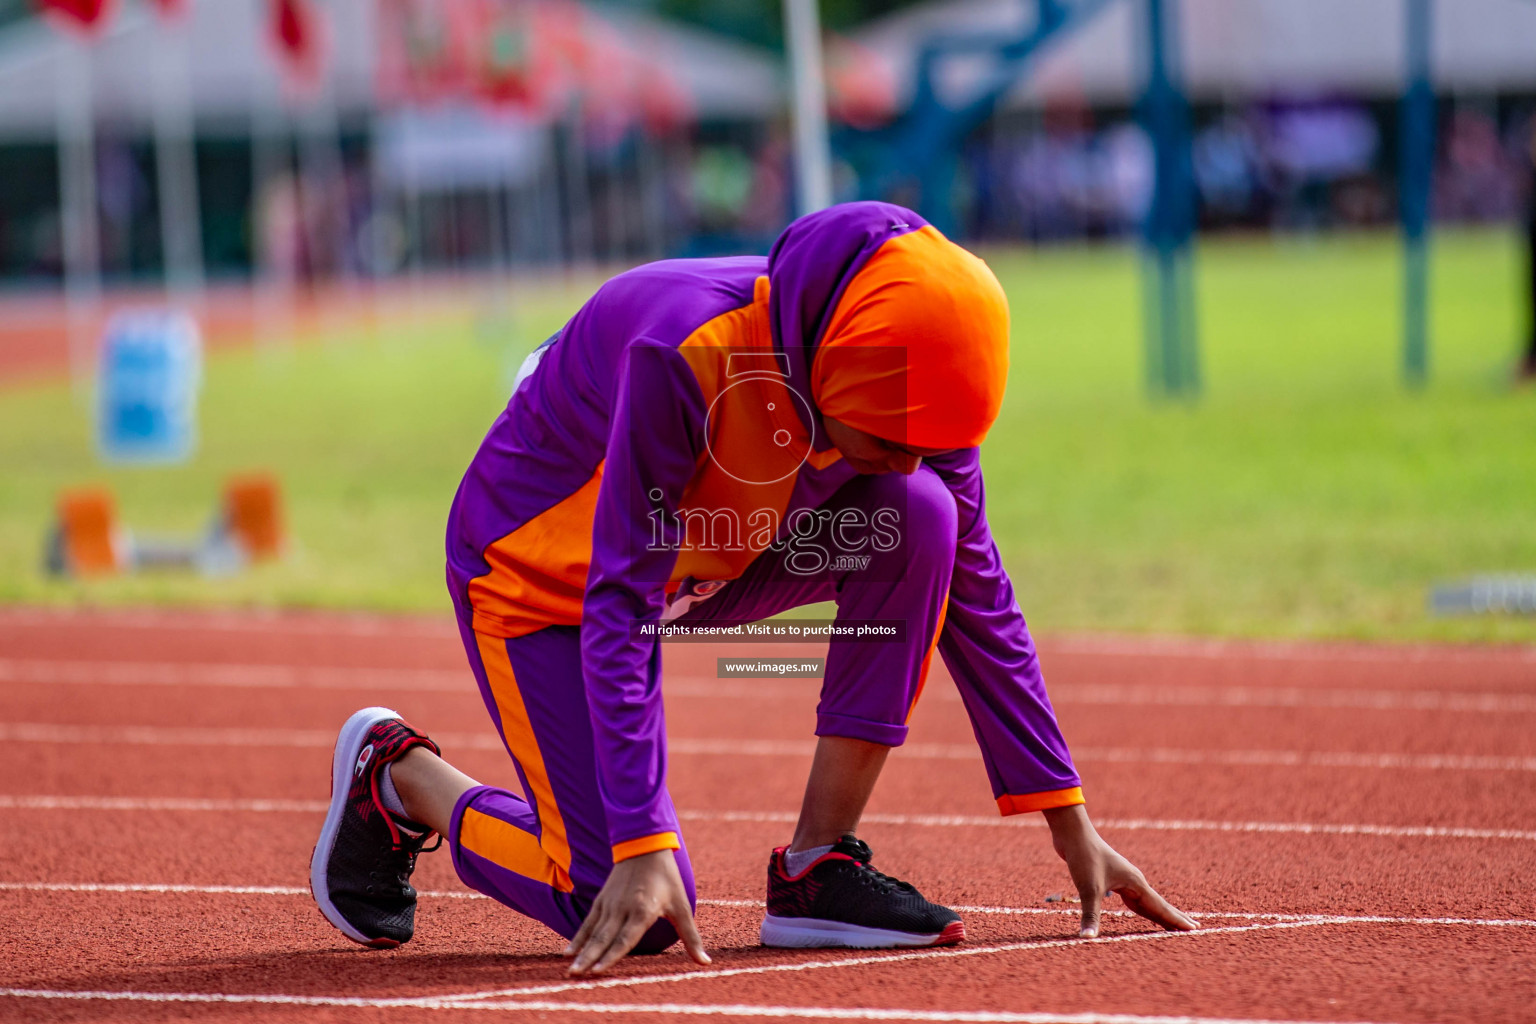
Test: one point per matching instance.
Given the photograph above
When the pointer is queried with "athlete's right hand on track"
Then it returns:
(1098, 870)
(639, 891)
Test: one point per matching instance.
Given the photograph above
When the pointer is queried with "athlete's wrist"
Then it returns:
(1070, 827)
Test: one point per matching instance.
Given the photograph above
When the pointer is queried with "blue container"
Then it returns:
(151, 370)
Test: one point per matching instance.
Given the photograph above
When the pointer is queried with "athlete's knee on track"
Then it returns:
(928, 516)
(658, 938)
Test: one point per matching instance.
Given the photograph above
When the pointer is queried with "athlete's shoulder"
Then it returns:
(719, 270)
(669, 299)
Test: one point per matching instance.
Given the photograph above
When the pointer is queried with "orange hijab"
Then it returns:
(916, 349)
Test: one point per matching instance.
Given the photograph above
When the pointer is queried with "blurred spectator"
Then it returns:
(122, 194)
(1312, 149)
(722, 182)
(767, 205)
(1226, 159)
(1065, 182)
(1039, 182)
(281, 230)
(1475, 182)
(1126, 175)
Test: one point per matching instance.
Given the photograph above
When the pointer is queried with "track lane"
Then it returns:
(1395, 731)
(1007, 965)
(1290, 697)
(1303, 874)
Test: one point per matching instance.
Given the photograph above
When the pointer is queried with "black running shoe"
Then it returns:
(841, 901)
(360, 873)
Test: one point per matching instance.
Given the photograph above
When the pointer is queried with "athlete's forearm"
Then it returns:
(989, 651)
(651, 455)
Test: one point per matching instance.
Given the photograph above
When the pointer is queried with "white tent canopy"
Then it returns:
(1232, 48)
(234, 71)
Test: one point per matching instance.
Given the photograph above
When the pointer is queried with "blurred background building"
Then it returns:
(348, 138)
(1232, 205)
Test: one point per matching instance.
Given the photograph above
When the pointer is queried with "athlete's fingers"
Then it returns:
(1146, 901)
(595, 949)
(583, 933)
(1093, 901)
(633, 929)
(688, 931)
(597, 942)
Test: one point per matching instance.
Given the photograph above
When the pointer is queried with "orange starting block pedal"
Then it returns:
(253, 515)
(89, 541)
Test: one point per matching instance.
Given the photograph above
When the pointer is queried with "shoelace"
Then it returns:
(884, 882)
(398, 863)
(881, 881)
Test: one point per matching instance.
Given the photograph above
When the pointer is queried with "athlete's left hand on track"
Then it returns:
(1098, 870)
(639, 891)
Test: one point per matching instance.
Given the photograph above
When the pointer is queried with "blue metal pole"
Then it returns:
(1167, 231)
(920, 151)
(1417, 157)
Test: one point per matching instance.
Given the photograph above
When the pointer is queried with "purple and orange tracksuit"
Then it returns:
(662, 459)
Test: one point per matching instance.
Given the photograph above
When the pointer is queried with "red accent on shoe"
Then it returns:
(952, 935)
(386, 755)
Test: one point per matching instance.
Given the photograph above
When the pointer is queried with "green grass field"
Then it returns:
(1306, 495)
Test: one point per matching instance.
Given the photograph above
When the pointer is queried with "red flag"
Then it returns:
(81, 15)
(171, 9)
(296, 32)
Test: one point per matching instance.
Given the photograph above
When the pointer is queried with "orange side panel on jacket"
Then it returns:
(539, 570)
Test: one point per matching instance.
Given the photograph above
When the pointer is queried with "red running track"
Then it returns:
(1354, 826)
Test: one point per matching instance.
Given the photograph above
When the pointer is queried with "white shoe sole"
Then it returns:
(348, 745)
(815, 933)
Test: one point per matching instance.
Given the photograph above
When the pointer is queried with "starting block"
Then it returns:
(89, 540)
(252, 516)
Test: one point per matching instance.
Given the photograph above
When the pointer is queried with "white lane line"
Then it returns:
(1143, 695)
(148, 735)
(1281, 650)
(667, 1009)
(157, 888)
(1293, 697)
(505, 999)
(1203, 915)
(1130, 755)
(862, 1013)
(276, 999)
(194, 736)
(160, 803)
(217, 674)
(113, 803)
(865, 961)
(1142, 824)
(1307, 758)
